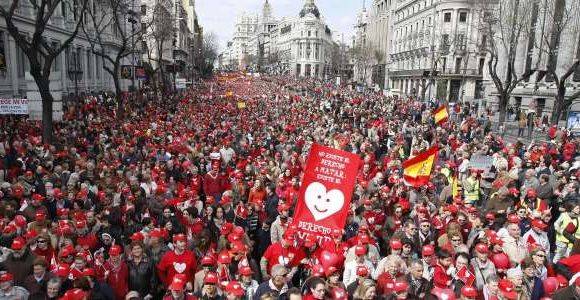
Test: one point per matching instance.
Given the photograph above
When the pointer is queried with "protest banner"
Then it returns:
(325, 193)
(13, 106)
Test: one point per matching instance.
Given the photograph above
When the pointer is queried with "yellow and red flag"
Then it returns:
(440, 115)
(417, 170)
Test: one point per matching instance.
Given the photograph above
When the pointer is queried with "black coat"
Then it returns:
(416, 289)
(142, 277)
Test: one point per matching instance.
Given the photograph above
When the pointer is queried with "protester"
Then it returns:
(191, 196)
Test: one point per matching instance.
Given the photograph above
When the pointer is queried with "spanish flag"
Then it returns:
(417, 170)
(455, 188)
(440, 115)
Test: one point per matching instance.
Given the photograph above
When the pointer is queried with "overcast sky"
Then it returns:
(219, 16)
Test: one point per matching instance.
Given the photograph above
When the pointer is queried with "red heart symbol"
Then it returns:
(328, 259)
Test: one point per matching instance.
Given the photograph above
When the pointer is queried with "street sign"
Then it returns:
(180, 83)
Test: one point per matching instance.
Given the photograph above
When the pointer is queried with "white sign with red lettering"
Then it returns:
(13, 106)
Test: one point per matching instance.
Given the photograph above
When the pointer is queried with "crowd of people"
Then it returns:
(192, 195)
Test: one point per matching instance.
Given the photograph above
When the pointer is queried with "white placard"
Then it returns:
(13, 106)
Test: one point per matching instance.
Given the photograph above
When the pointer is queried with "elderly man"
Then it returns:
(8, 290)
(513, 245)
(277, 283)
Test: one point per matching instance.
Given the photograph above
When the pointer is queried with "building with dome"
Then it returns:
(300, 45)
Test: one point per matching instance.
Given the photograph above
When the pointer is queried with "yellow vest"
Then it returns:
(559, 231)
(471, 196)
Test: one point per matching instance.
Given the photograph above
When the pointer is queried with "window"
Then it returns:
(481, 66)
(22, 62)
(89, 67)
(458, 65)
(309, 33)
(3, 67)
(576, 76)
(56, 63)
(445, 40)
(444, 64)
(463, 17)
(460, 40)
(143, 9)
(447, 17)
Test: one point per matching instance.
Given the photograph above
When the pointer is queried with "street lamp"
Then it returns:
(74, 71)
(133, 20)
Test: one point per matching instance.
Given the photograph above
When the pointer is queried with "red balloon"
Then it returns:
(20, 221)
(550, 285)
(338, 294)
(328, 259)
(501, 261)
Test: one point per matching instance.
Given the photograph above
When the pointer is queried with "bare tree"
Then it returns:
(504, 23)
(209, 53)
(560, 22)
(39, 50)
(160, 30)
(364, 56)
(110, 20)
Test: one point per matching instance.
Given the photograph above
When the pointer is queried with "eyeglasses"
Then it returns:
(540, 255)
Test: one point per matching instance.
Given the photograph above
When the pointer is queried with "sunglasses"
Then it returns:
(41, 241)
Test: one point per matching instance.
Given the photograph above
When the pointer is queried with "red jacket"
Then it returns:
(118, 278)
(440, 277)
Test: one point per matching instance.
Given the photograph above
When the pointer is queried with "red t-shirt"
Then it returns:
(172, 263)
(278, 255)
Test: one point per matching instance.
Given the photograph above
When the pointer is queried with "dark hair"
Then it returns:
(442, 254)
(527, 262)
(293, 291)
(463, 255)
(40, 261)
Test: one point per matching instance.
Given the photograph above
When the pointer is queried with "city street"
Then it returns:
(286, 150)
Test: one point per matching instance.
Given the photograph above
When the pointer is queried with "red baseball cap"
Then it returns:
(506, 288)
(6, 277)
(207, 261)
(396, 244)
(245, 271)
(18, 243)
(362, 271)
(538, 223)
(177, 283)
(400, 286)
(235, 288)
(360, 250)
(137, 236)
(115, 250)
(179, 237)
(428, 250)
(74, 294)
(468, 291)
(481, 248)
(210, 278)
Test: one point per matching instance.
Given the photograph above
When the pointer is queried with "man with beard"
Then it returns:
(19, 262)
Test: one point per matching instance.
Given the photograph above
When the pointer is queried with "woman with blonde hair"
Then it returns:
(367, 290)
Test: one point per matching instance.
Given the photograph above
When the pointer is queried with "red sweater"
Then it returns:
(172, 264)
(212, 185)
